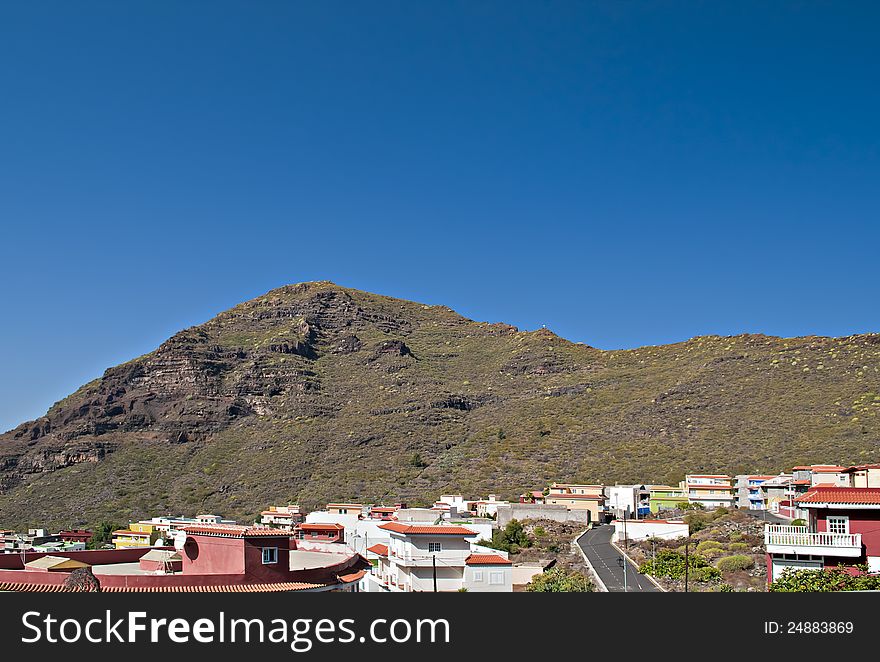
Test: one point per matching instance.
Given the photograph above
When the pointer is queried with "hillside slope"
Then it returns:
(316, 392)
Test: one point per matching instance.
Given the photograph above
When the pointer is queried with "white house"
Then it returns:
(489, 506)
(429, 557)
(644, 529)
(632, 501)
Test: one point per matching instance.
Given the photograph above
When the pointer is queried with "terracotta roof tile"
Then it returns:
(381, 550)
(320, 527)
(487, 559)
(850, 495)
(426, 529)
(234, 531)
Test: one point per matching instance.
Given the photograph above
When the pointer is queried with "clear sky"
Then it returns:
(626, 173)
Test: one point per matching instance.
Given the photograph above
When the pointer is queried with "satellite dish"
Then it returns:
(179, 540)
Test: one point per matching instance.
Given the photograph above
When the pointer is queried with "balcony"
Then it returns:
(781, 539)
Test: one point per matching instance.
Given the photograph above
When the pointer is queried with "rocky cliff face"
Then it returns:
(315, 392)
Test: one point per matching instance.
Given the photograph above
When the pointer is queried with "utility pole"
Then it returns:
(625, 539)
(686, 545)
(434, 566)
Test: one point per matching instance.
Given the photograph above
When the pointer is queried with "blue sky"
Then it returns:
(626, 173)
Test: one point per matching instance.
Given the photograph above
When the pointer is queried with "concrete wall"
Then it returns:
(522, 511)
(522, 574)
(488, 578)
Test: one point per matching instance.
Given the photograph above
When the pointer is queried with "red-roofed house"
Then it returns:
(323, 532)
(578, 497)
(864, 475)
(441, 557)
(282, 517)
(385, 513)
(843, 528)
(206, 557)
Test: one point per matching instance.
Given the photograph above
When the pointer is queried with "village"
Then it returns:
(559, 538)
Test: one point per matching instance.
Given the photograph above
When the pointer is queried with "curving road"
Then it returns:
(596, 544)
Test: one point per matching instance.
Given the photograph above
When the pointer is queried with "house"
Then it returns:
(489, 506)
(843, 527)
(630, 501)
(320, 532)
(438, 557)
(665, 497)
(385, 513)
(710, 490)
(534, 496)
(345, 509)
(579, 497)
(864, 475)
(138, 534)
(748, 491)
(282, 517)
(206, 558)
(644, 529)
(822, 474)
(18, 542)
(75, 535)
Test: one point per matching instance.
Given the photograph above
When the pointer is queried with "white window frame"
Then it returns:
(833, 522)
(273, 554)
(434, 547)
(496, 577)
(478, 575)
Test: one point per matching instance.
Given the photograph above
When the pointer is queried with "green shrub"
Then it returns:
(720, 512)
(512, 538)
(557, 580)
(825, 580)
(707, 545)
(737, 547)
(726, 588)
(798, 522)
(735, 562)
(735, 536)
(705, 574)
(670, 563)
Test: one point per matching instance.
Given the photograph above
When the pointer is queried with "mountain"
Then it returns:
(315, 392)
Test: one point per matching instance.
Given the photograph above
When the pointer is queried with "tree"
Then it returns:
(558, 580)
(511, 538)
(103, 534)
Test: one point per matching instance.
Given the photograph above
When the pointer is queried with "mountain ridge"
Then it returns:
(313, 392)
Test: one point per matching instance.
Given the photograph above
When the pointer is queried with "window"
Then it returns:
(478, 575)
(270, 555)
(496, 578)
(839, 524)
(434, 547)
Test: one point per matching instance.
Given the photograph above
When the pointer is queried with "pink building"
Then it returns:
(211, 557)
(843, 528)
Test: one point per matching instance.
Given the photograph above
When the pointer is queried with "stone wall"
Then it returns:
(521, 511)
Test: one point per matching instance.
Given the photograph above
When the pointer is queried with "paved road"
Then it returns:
(596, 544)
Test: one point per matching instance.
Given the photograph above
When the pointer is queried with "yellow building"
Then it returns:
(138, 534)
(578, 497)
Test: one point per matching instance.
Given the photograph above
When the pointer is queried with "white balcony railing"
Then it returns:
(777, 536)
